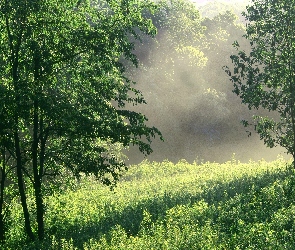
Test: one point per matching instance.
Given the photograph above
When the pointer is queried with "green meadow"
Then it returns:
(172, 206)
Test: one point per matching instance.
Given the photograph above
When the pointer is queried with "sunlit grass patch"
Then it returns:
(177, 206)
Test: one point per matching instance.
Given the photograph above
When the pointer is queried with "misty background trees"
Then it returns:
(189, 95)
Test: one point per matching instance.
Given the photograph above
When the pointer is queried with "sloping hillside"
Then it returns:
(175, 206)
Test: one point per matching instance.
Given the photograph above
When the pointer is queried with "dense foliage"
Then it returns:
(63, 94)
(173, 206)
(264, 77)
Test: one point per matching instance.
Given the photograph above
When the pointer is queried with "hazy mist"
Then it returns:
(193, 105)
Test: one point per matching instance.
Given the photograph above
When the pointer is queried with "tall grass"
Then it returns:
(174, 206)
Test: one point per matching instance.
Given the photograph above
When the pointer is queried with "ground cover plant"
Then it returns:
(172, 206)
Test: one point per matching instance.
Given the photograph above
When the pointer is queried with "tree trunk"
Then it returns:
(3, 177)
(37, 174)
(37, 138)
(43, 139)
(20, 182)
(15, 41)
(40, 209)
(291, 87)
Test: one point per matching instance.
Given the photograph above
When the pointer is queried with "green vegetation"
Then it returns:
(173, 206)
(63, 94)
(264, 77)
(67, 116)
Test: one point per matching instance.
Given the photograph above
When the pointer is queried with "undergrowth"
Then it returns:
(173, 206)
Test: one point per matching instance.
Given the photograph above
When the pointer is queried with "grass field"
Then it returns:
(173, 206)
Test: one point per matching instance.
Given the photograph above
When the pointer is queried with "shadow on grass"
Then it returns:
(131, 217)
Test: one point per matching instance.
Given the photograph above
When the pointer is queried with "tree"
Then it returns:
(265, 78)
(221, 32)
(65, 91)
(180, 32)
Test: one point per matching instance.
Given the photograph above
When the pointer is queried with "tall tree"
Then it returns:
(265, 78)
(60, 64)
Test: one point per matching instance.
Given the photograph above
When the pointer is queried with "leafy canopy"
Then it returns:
(66, 56)
(264, 78)
(64, 90)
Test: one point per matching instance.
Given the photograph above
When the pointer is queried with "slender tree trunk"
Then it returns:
(37, 138)
(293, 121)
(20, 182)
(2, 229)
(14, 42)
(3, 177)
(40, 209)
(292, 90)
(19, 164)
(37, 174)
(43, 139)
